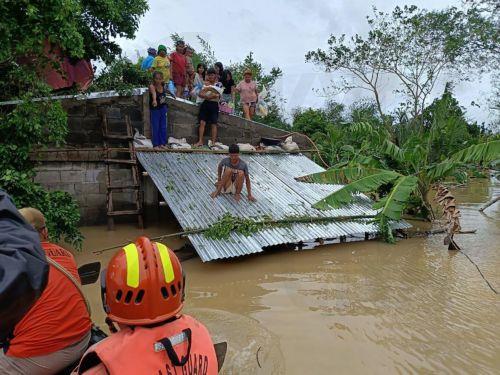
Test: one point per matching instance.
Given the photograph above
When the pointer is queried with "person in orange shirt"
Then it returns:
(55, 332)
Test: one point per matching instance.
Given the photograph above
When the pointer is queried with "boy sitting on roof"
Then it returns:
(230, 175)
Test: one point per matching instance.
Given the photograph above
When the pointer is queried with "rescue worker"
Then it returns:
(23, 268)
(55, 331)
(143, 292)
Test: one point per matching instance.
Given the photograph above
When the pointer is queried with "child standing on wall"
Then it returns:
(158, 110)
(161, 63)
(209, 108)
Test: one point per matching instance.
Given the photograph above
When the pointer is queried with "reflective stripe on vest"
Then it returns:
(133, 351)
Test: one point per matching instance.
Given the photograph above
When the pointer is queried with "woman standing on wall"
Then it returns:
(228, 95)
(249, 96)
(158, 110)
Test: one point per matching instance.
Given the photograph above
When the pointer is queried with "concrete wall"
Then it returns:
(84, 118)
(78, 168)
(84, 121)
(85, 181)
(183, 118)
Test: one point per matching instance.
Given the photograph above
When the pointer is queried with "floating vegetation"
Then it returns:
(228, 223)
(222, 229)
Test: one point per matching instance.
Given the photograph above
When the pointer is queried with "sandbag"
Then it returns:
(178, 144)
(217, 146)
(141, 140)
(246, 147)
(272, 148)
(176, 140)
(289, 145)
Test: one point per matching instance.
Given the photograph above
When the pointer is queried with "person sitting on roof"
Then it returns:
(55, 332)
(143, 292)
(230, 175)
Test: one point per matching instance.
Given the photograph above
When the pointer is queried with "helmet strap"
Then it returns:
(111, 325)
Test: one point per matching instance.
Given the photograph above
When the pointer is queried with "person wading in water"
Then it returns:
(231, 173)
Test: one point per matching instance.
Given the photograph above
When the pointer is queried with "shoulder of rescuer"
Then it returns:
(143, 292)
(59, 318)
(23, 266)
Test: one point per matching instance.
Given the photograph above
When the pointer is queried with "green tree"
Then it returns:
(29, 31)
(407, 172)
(121, 75)
(413, 46)
(310, 121)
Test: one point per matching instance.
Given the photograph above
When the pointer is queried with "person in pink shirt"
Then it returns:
(249, 96)
(179, 67)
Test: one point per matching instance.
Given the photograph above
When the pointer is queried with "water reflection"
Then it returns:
(364, 307)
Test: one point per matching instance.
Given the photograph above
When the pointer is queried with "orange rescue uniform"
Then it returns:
(59, 318)
(137, 351)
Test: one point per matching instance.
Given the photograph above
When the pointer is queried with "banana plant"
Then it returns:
(412, 172)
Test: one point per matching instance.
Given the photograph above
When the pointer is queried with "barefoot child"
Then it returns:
(209, 108)
(158, 110)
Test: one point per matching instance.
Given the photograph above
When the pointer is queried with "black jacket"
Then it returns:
(23, 268)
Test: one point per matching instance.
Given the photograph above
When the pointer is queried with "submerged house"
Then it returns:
(109, 177)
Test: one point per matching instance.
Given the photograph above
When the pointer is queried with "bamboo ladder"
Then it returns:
(110, 160)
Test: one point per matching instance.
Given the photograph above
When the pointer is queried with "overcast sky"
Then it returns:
(280, 32)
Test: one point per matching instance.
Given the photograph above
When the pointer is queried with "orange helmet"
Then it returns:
(143, 284)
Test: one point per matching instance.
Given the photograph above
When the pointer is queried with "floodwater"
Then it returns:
(354, 308)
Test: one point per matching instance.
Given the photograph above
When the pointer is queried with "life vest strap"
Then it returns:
(168, 344)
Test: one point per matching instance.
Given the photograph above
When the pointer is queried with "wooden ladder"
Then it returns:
(131, 161)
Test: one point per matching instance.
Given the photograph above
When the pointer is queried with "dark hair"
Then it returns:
(157, 73)
(220, 66)
(179, 42)
(234, 149)
(204, 69)
(211, 71)
(225, 76)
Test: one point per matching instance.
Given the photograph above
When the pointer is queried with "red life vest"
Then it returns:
(142, 350)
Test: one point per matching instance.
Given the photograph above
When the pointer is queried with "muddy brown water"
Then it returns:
(357, 308)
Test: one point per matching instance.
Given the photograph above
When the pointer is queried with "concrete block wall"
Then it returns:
(84, 121)
(84, 118)
(183, 123)
(86, 182)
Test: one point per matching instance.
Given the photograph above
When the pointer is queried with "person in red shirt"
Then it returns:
(55, 332)
(179, 67)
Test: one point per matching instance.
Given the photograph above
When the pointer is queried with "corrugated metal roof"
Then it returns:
(186, 179)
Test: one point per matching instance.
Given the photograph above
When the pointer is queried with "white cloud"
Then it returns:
(279, 33)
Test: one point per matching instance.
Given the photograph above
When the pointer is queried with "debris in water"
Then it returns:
(449, 203)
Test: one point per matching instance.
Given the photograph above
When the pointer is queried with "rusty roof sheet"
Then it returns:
(186, 180)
